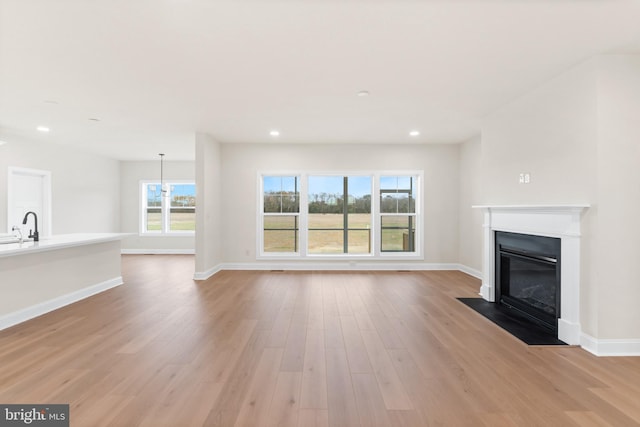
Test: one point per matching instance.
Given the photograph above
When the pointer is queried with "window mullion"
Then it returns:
(345, 214)
(303, 218)
(164, 202)
(145, 207)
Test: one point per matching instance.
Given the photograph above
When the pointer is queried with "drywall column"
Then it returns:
(208, 211)
(616, 244)
(470, 220)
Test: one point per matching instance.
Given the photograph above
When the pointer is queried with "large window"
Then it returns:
(339, 218)
(170, 212)
(324, 215)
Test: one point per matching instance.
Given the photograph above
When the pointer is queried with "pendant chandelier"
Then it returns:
(163, 187)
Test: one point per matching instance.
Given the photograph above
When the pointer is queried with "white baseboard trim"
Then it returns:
(312, 266)
(29, 313)
(158, 251)
(338, 266)
(470, 271)
(204, 275)
(610, 347)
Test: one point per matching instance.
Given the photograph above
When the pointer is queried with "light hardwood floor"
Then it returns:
(249, 348)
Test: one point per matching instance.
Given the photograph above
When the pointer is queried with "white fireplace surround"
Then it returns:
(562, 221)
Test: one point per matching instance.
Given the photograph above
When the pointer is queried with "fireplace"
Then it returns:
(558, 221)
(528, 276)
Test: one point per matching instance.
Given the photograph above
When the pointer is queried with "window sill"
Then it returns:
(192, 234)
(345, 257)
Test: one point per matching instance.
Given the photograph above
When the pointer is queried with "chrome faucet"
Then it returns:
(32, 234)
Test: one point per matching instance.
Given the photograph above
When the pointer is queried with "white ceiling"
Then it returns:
(155, 72)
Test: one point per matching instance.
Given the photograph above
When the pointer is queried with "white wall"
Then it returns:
(549, 133)
(618, 197)
(470, 220)
(209, 225)
(131, 173)
(85, 187)
(241, 163)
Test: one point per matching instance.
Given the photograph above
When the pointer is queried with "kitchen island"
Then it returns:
(38, 277)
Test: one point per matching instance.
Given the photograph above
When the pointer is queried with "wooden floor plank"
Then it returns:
(285, 403)
(356, 350)
(341, 400)
(621, 399)
(315, 319)
(588, 419)
(392, 389)
(314, 377)
(236, 386)
(313, 418)
(369, 400)
(333, 332)
(293, 357)
(257, 401)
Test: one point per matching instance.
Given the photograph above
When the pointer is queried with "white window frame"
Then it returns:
(305, 232)
(376, 253)
(261, 215)
(419, 217)
(165, 210)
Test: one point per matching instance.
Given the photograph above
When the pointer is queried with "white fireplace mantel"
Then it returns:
(561, 221)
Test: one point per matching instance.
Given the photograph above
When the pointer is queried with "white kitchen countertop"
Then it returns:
(58, 242)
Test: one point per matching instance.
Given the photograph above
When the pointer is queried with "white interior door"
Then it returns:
(29, 191)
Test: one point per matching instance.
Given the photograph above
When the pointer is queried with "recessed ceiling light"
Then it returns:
(363, 93)
(414, 133)
(43, 129)
(274, 133)
(93, 119)
(2, 142)
(51, 101)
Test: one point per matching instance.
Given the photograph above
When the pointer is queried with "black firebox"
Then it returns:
(528, 276)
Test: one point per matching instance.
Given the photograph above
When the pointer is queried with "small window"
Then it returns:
(182, 209)
(172, 211)
(397, 214)
(281, 214)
